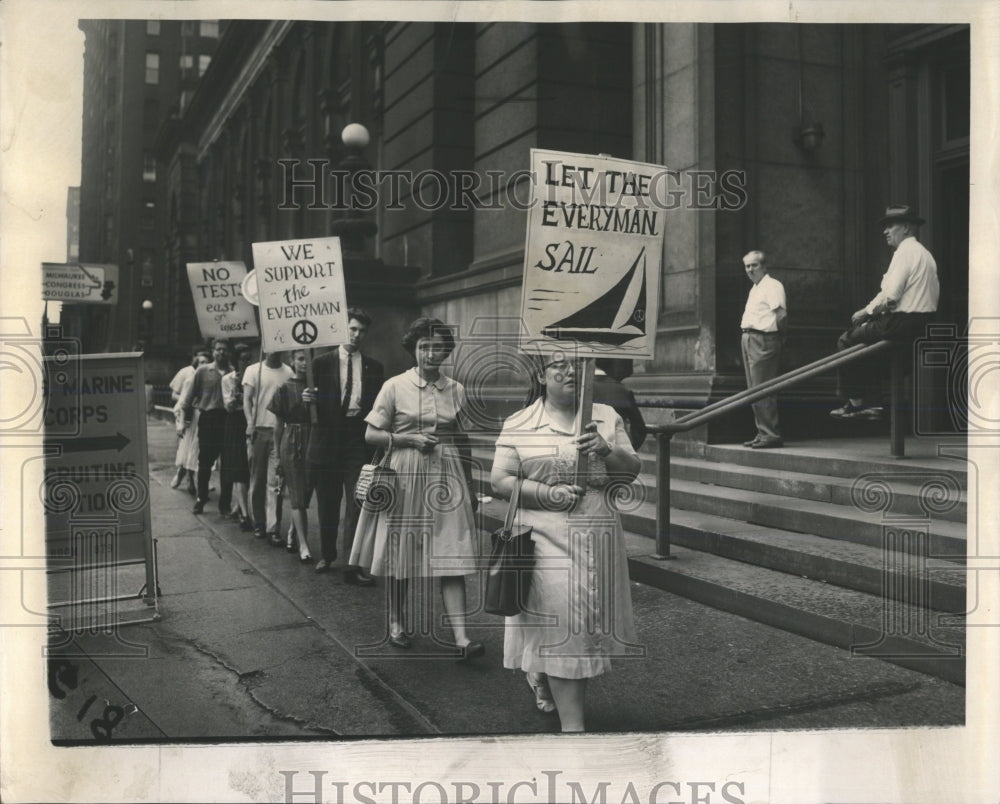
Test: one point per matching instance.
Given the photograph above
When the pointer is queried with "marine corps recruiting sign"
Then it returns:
(592, 256)
(96, 467)
(300, 285)
(218, 300)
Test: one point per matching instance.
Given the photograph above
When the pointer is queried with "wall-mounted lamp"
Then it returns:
(808, 135)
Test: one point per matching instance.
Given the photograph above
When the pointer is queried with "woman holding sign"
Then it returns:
(579, 607)
(427, 529)
(291, 437)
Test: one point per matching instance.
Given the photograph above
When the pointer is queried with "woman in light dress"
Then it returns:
(427, 529)
(187, 446)
(291, 438)
(579, 606)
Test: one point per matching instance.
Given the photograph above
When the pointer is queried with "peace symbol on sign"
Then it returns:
(304, 332)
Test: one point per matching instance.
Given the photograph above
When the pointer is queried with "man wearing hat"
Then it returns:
(899, 312)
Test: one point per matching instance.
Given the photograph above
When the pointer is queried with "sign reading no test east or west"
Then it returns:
(300, 286)
(592, 255)
(218, 300)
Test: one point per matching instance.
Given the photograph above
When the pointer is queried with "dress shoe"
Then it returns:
(258, 533)
(199, 507)
(306, 559)
(246, 525)
(322, 565)
(274, 539)
(471, 651)
(847, 411)
(751, 442)
(767, 443)
(356, 577)
(543, 695)
(176, 481)
(400, 640)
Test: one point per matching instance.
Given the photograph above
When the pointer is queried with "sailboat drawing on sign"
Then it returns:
(617, 316)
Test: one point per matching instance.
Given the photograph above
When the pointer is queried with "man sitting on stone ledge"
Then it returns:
(899, 313)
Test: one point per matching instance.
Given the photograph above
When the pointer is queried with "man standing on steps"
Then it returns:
(261, 382)
(900, 312)
(763, 325)
(347, 383)
(205, 394)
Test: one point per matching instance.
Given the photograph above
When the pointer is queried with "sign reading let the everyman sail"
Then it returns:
(592, 256)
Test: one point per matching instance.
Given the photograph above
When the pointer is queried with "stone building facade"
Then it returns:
(824, 124)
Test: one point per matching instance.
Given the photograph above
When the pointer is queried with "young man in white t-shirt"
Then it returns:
(260, 383)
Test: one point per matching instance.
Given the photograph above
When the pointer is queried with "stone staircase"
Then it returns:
(832, 540)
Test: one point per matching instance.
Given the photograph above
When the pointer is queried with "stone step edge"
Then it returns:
(844, 572)
(833, 517)
(818, 627)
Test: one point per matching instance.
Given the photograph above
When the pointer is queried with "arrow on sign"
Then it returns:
(117, 442)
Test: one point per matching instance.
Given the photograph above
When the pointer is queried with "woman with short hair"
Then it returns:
(579, 606)
(427, 529)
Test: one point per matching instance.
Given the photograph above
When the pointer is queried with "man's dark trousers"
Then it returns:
(211, 433)
(862, 379)
(335, 483)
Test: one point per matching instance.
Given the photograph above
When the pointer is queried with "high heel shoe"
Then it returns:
(471, 650)
(543, 695)
(399, 640)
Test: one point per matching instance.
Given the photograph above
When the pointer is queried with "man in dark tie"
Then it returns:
(347, 383)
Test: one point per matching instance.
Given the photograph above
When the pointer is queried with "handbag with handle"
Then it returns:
(511, 566)
(376, 486)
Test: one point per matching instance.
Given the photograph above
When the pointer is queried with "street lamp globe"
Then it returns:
(355, 135)
(147, 305)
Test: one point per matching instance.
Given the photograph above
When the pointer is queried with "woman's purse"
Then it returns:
(376, 486)
(512, 562)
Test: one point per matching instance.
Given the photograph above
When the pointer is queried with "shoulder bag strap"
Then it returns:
(388, 451)
(515, 497)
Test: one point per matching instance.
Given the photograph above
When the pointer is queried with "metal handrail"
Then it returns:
(665, 432)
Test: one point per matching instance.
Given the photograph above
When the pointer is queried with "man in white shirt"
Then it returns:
(900, 312)
(763, 325)
(261, 382)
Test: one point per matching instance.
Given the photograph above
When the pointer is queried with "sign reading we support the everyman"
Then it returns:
(592, 255)
(300, 285)
(218, 300)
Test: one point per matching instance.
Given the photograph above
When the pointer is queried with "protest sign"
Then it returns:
(218, 300)
(79, 283)
(592, 256)
(300, 287)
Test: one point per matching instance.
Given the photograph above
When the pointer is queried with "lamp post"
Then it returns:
(352, 225)
(145, 324)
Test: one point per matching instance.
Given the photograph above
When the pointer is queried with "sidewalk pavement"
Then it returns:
(253, 644)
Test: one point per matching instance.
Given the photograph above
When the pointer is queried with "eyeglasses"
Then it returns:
(562, 366)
